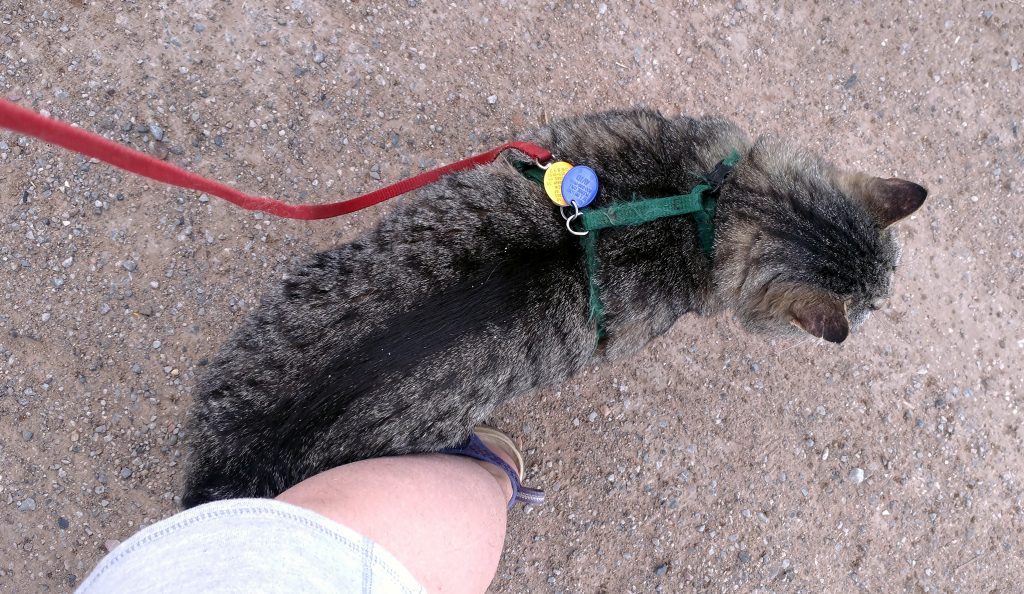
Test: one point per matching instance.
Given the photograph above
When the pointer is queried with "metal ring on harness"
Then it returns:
(573, 217)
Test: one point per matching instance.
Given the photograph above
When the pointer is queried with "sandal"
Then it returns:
(474, 447)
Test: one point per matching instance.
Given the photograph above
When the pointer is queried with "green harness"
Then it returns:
(699, 202)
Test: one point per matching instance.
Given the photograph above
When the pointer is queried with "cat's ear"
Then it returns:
(821, 315)
(886, 200)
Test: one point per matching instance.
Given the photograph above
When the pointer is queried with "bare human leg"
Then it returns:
(441, 516)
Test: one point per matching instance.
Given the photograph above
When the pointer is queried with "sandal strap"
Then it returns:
(475, 448)
(528, 496)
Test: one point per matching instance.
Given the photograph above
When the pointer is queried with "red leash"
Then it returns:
(30, 123)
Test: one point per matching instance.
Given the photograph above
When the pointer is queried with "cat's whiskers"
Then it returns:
(798, 342)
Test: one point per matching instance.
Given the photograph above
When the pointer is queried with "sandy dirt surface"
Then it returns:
(712, 462)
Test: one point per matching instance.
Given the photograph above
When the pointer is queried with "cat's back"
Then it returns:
(465, 294)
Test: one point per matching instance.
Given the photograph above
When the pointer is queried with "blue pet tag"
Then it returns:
(579, 186)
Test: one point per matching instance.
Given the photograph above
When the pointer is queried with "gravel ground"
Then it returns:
(712, 462)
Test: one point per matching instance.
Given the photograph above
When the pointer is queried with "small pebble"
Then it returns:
(156, 344)
(68, 262)
(28, 505)
(104, 309)
(318, 57)
(129, 265)
(492, 99)
(199, 27)
(661, 569)
(63, 523)
(157, 132)
(27, 435)
(744, 556)
(136, 369)
(1014, 65)
(46, 316)
(154, 284)
(857, 476)
(126, 472)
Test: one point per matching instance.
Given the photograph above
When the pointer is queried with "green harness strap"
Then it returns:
(639, 212)
(699, 202)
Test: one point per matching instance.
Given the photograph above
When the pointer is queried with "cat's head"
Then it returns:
(803, 246)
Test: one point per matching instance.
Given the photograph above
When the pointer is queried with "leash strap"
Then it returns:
(27, 122)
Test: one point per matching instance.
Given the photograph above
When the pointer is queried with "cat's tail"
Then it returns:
(206, 481)
(202, 490)
(213, 473)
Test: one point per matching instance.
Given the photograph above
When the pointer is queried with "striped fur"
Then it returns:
(471, 293)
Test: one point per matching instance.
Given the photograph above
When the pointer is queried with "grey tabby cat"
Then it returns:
(472, 292)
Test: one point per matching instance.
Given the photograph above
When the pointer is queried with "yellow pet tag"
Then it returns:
(553, 181)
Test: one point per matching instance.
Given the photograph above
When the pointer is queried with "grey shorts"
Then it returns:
(249, 545)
